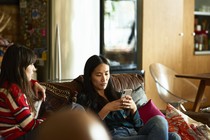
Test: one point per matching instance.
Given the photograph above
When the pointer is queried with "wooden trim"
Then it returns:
(9, 1)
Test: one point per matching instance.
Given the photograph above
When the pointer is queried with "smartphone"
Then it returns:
(126, 92)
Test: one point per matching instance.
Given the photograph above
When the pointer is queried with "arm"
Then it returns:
(137, 122)
(128, 103)
(134, 114)
(103, 112)
(39, 90)
(20, 109)
(111, 106)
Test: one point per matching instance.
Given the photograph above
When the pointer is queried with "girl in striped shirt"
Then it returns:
(18, 93)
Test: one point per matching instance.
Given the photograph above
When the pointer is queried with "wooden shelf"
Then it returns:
(200, 16)
(202, 52)
(199, 13)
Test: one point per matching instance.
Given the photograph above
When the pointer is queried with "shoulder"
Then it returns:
(15, 90)
(81, 98)
(13, 95)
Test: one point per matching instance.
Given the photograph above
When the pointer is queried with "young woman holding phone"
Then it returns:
(112, 109)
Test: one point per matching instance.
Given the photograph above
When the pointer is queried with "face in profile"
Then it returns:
(29, 71)
(100, 77)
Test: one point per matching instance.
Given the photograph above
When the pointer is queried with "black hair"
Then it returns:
(14, 63)
(93, 99)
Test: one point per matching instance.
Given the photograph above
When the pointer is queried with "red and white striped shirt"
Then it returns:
(16, 119)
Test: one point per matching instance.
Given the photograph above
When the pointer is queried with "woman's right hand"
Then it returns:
(114, 105)
(111, 106)
(40, 91)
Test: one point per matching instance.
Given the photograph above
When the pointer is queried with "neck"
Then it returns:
(102, 94)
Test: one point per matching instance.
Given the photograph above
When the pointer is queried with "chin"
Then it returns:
(104, 87)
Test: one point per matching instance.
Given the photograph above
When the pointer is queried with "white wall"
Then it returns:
(78, 21)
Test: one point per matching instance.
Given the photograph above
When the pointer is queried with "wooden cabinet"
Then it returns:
(202, 27)
(162, 39)
(192, 63)
(167, 38)
(202, 36)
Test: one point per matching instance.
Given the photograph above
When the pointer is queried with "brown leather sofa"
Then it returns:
(59, 95)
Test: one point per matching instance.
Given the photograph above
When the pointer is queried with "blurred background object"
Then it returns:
(73, 125)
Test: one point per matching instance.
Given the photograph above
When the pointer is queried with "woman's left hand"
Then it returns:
(128, 103)
(40, 91)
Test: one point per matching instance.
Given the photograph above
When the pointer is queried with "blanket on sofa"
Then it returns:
(185, 126)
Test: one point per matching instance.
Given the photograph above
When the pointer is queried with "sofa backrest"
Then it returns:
(60, 94)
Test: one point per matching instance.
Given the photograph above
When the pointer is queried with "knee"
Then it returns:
(159, 120)
(174, 136)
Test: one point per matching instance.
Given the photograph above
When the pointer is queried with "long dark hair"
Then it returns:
(14, 63)
(91, 93)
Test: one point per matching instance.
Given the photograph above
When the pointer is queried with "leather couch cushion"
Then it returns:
(131, 81)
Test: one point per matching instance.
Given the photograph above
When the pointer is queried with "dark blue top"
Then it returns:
(114, 119)
(123, 118)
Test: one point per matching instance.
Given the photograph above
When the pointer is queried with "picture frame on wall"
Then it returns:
(9, 15)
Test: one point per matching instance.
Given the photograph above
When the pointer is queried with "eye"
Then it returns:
(107, 73)
(98, 75)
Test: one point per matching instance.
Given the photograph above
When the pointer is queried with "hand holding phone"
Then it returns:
(126, 92)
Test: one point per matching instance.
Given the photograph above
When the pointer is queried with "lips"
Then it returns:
(103, 84)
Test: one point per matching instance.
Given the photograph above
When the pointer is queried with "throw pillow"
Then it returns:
(186, 127)
(139, 96)
(56, 99)
(148, 111)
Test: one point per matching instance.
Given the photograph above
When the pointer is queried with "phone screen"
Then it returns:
(126, 92)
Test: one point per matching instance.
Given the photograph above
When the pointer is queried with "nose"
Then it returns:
(34, 69)
(103, 78)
